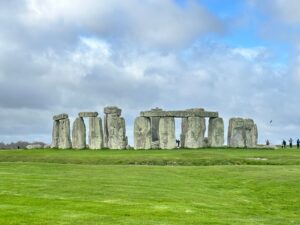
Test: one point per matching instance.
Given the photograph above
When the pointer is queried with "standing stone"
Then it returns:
(250, 133)
(55, 134)
(79, 134)
(167, 133)
(142, 133)
(114, 128)
(242, 133)
(195, 132)
(64, 140)
(184, 129)
(95, 133)
(155, 128)
(105, 133)
(216, 132)
(116, 132)
(236, 134)
(155, 125)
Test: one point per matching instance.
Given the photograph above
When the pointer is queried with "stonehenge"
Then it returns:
(154, 129)
(193, 128)
(242, 133)
(61, 132)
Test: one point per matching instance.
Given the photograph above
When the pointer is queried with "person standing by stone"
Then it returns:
(178, 143)
(283, 143)
(298, 143)
(291, 142)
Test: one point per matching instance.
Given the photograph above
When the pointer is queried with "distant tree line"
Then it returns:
(18, 145)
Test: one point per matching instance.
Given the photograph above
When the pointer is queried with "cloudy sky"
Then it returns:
(237, 57)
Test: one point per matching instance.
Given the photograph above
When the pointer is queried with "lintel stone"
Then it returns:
(186, 113)
(60, 116)
(112, 110)
(88, 114)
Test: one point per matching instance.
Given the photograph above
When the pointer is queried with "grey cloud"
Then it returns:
(69, 61)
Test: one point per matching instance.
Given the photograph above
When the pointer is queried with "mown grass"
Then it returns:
(183, 157)
(113, 187)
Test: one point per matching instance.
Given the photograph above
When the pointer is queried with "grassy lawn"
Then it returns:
(207, 186)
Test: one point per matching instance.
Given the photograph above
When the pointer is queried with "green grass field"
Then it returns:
(207, 186)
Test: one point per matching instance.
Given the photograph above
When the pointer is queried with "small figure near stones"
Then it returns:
(283, 144)
(178, 143)
(267, 142)
(298, 143)
(291, 142)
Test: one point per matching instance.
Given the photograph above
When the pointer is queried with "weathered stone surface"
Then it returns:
(242, 133)
(186, 113)
(195, 132)
(250, 133)
(95, 133)
(195, 110)
(216, 132)
(236, 134)
(167, 133)
(105, 133)
(155, 128)
(116, 132)
(61, 116)
(79, 134)
(55, 134)
(64, 140)
(184, 129)
(142, 133)
(34, 146)
(112, 110)
(88, 114)
(155, 145)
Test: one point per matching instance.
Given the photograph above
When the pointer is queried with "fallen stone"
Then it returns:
(34, 146)
(88, 114)
(142, 133)
(216, 132)
(79, 134)
(95, 133)
(167, 133)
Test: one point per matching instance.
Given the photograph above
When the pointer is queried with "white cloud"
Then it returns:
(71, 56)
(152, 23)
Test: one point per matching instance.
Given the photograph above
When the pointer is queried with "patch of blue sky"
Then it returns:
(244, 25)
